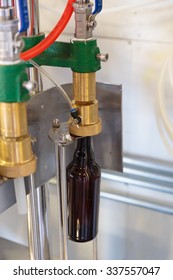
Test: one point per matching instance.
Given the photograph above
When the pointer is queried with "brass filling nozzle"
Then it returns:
(84, 90)
(16, 156)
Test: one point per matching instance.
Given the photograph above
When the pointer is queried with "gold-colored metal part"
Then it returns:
(13, 120)
(87, 130)
(16, 156)
(84, 90)
(89, 113)
(84, 87)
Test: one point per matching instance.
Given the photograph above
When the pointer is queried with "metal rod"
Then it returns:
(59, 206)
(33, 223)
(43, 218)
(34, 19)
(62, 161)
(6, 3)
(138, 203)
(34, 29)
(95, 255)
(35, 76)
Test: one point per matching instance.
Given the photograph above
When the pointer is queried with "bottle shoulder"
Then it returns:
(92, 170)
(74, 170)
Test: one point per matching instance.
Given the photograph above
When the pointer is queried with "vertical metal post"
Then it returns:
(60, 150)
(33, 223)
(95, 255)
(62, 161)
(59, 205)
(59, 134)
(34, 19)
(43, 219)
(40, 193)
(34, 29)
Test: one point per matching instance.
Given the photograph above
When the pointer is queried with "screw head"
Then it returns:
(29, 85)
(92, 24)
(55, 123)
(103, 57)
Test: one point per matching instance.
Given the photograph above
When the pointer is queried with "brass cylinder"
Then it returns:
(88, 113)
(86, 130)
(13, 120)
(84, 91)
(84, 87)
(16, 157)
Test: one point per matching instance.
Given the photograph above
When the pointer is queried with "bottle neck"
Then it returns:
(84, 152)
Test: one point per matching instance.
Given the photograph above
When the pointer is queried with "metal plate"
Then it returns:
(12, 251)
(48, 105)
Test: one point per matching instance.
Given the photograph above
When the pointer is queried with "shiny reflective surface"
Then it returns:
(84, 95)
(16, 157)
(43, 220)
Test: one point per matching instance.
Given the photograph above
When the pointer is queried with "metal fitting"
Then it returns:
(6, 13)
(16, 156)
(83, 11)
(10, 43)
(103, 57)
(92, 23)
(63, 139)
(6, 3)
(82, 1)
(84, 91)
(56, 123)
(30, 85)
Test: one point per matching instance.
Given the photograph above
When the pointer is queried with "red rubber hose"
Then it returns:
(53, 35)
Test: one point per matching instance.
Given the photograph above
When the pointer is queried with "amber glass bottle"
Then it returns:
(83, 183)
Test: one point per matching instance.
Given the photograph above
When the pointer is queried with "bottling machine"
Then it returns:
(39, 129)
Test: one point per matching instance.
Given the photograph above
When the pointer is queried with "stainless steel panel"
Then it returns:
(108, 144)
(12, 251)
(46, 106)
(7, 194)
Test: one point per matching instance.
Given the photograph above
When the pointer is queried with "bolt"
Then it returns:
(62, 139)
(29, 85)
(33, 140)
(92, 24)
(102, 57)
(55, 123)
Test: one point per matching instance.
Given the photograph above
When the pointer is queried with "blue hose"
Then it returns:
(22, 7)
(98, 7)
